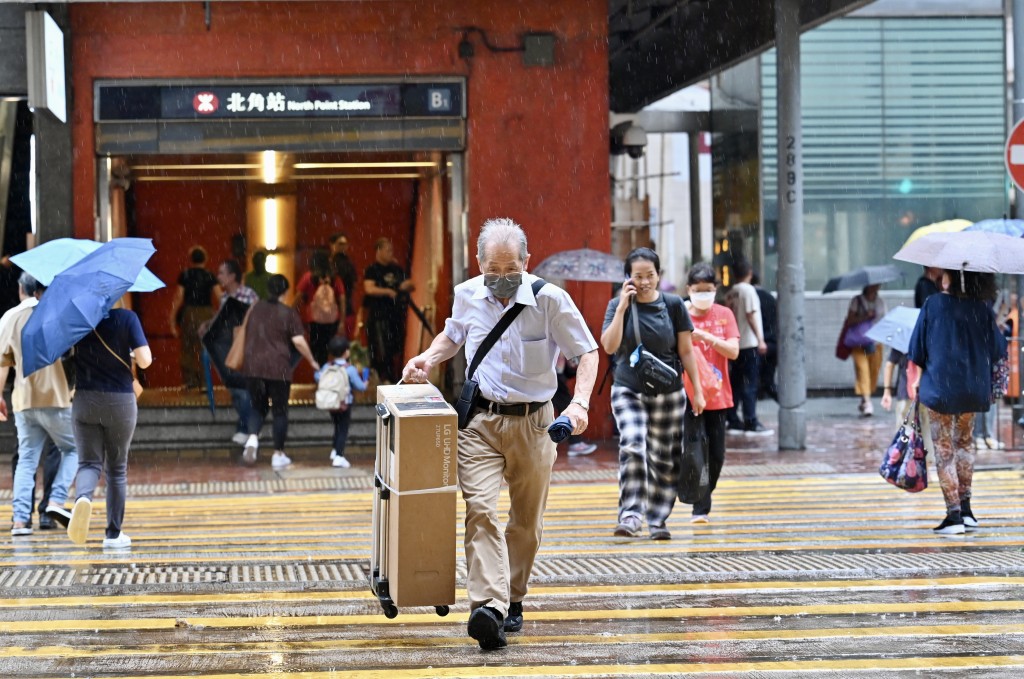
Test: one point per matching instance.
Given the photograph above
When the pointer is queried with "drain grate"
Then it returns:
(554, 569)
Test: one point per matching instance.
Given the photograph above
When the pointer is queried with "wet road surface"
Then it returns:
(798, 575)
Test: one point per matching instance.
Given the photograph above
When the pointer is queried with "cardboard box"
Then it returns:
(417, 460)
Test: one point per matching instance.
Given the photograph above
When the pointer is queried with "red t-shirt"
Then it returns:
(307, 288)
(720, 322)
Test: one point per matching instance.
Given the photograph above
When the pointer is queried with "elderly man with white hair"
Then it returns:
(506, 437)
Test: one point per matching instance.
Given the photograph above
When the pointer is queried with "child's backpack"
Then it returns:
(324, 307)
(333, 389)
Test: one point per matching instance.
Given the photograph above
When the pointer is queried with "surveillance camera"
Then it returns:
(628, 138)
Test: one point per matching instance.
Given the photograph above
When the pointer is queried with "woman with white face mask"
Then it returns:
(717, 337)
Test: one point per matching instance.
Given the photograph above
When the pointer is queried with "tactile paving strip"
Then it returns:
(547, 570)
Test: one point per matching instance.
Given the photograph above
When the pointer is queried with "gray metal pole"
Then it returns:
(696, 246)
(1018, 113)
(792, 372)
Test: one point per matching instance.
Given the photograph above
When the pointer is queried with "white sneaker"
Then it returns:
(581, 448)
(81, 514)
(700, 518)
(239, 438)
(980, 444)
(334, 454)
(341, 461)
(279, 460)
(122, 541)
(993, 444)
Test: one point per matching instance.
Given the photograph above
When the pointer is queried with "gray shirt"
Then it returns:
(661, 321)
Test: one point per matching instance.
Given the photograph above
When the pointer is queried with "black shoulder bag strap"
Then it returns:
(502, 325)
(636, 320)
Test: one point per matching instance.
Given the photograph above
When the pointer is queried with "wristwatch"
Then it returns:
(581, 403)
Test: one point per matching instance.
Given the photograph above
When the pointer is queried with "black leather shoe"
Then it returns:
(46, 523)
(59, 514)
(514, 621)
(485, 625)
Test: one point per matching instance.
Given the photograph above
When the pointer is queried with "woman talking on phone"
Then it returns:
(650, 421)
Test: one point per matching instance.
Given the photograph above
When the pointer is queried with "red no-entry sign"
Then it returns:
(1014, 154)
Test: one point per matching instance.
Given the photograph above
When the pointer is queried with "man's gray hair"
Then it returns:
(28, 284)
(500, 230)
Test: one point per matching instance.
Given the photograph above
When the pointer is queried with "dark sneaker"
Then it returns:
(660, 533)
(758, 429)
(734, 428)
(514, 621)
(485, 625)
(58, 513)
(627, 528)
(953, 524)
(46, 523)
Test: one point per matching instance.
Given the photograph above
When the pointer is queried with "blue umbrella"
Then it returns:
(895, 328)
(45, 261)
(79, 298)
(1007, 227)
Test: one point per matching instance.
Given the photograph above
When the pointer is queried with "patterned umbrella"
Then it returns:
(582, 265)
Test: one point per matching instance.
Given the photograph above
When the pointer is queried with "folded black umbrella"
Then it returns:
(218, 338)
(862, 277)
(560, 429)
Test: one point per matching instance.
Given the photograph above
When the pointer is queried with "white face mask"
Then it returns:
(702, 300)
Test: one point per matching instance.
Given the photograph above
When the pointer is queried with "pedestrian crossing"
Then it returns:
(795, 576)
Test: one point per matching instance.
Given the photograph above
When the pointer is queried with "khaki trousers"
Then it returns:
(518, 450)
(866, 367)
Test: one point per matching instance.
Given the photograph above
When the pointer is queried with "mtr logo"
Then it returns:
(205, 103)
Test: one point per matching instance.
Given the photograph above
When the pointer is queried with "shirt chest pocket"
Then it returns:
(537, 357)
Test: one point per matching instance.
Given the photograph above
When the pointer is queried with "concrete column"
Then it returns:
(696, 246)
(1018, 113)
(54, 199)
(792, 350)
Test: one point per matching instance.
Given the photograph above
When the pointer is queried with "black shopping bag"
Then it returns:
(694, 476)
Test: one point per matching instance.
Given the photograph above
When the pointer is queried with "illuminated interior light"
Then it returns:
(270, 224)
(269, 167)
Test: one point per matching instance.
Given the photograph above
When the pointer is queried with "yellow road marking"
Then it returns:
(274, 622)
(943, 662)
(549, 590)
(309, 646)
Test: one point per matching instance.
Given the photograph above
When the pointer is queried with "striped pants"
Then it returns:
(650, 444)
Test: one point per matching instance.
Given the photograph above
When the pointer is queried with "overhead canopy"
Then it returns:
(656, 47)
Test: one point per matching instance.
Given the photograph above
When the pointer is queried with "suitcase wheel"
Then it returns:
(390, 611)
(441, 610)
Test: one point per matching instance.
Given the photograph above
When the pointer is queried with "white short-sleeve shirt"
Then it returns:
(520, 367)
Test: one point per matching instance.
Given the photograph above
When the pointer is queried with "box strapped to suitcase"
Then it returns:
(412, 558)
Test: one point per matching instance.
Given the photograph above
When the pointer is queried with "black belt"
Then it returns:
(517, 409)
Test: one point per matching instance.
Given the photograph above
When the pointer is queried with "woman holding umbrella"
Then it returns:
(955, 344)
(865, 309)
(103, 415)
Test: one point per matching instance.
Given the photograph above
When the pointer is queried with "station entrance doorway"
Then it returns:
(286, 186)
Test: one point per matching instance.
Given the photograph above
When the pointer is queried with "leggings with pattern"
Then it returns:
(953, 438)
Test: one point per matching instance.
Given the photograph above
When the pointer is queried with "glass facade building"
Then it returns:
(904, 123)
